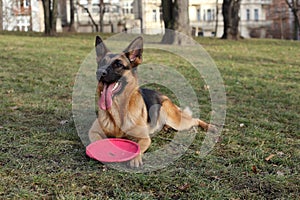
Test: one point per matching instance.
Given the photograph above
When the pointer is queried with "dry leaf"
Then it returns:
(216, 177)
(254, 169)
(269, 157)
(10, 91)
(14, 108)
(184, 187)
(206, 87)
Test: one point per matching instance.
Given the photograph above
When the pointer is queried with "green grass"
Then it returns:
(42, 158)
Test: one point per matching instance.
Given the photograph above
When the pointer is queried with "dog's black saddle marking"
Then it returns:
(153, 103)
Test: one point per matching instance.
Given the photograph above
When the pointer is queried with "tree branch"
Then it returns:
(90, 16)
(288, 3)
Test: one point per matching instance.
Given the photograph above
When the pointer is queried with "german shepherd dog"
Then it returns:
(125, 109)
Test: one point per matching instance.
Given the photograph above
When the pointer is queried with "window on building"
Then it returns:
(248, 14)
(26, 3)
(114, 9)
(283, 11)
(106, 9)
(256, 15)
(209, 15)
(276, 26)
(127, 8)
(95, 8)
(160, 13)
(23, 3)
(84, 11)
(154, 16)
(200, 33)
(204, 15)
(198, 14)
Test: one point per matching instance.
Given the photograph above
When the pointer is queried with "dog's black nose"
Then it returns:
(101, 73)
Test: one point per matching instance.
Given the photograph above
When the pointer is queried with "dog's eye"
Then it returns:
(119, 65)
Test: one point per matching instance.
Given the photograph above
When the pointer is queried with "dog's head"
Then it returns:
(113, 69)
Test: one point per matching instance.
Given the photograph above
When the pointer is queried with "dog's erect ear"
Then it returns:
(134, 51)
(101, 49)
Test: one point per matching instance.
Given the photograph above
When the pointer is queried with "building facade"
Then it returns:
(258, 18)
(253, 18)
(120, 15)
(206, 18)
(87, 12)
(282, 26)
(22, 15)
(149, 13)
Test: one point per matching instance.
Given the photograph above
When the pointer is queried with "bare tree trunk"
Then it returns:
(182, 22)
(296, 27)
(217, 17)
(176, 17)
(167, 10)
(230, 11)
(50, 15)
(46, 6)
(169, 21)
(53, 15)
(1, 15)
(63, 12)
(294, 5)
(72, 16)
(101, 14)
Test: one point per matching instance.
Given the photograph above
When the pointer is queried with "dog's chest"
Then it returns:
(111, 123)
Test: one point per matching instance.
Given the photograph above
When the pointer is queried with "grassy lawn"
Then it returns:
(41, 156)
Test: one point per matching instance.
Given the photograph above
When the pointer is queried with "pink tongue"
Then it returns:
(105, 101)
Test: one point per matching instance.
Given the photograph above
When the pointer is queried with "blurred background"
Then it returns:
(228, 19)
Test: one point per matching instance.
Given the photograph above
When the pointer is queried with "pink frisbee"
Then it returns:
(113, 150)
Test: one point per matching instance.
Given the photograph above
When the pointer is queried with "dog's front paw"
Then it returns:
(136, 162)
(212, 128)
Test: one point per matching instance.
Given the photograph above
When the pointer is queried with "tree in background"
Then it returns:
(1, 15)
(50, 15)
(72, 16)
(176, 17)
(90, 15)
(101, 14)
(294, 5)
(230, 11)
(217, 17)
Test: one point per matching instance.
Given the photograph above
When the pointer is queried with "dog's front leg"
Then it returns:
(95, 131)
(144, 145)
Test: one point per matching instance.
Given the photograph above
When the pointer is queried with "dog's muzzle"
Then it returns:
(102, 72)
